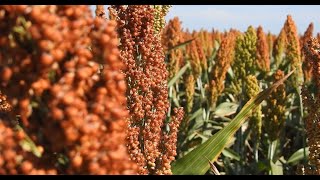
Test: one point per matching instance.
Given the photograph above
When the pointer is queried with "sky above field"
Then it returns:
(224, 17)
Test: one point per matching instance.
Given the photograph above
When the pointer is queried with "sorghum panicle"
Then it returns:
(255, 120)
(171, 37)
(189, 82)
(245, 57)
(223, 61)
(279, 47)
(147, 92)
(263, 57)
(192, 55)
(306, 65)
(207, 43)
(274, 118)
(312, 105)
(200, 50)
(293, 52)
(270, 40)
(82, 105)
(160, 11)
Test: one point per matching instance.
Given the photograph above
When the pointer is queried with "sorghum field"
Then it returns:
(122, 91)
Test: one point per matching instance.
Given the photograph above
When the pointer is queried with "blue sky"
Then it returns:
(224, 17)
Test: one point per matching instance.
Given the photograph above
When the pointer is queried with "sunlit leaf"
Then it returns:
(180, 45)
(226, 109)
(178, 75)
(298, 156)
(28, 145)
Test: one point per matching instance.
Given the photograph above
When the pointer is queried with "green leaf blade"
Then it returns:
(178, 75)
(180, 45)
(297, 156)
